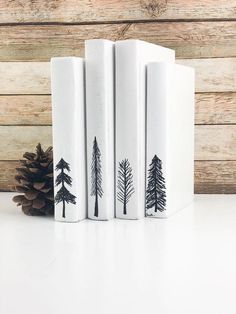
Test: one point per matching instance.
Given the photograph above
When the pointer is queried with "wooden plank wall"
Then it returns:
(203, 33)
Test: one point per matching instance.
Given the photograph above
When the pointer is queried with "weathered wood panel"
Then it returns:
(7, 175)
(24, 78)
(212, 75)
(197, 30)
(215, 142)
(25, 110)
(215, 177)
(75, 11)
(210, 176)
(210, 108)
(190, 40)
(215, 108)
(15, 140)
(212, 142)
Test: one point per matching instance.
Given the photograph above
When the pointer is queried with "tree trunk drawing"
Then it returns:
(63, 195)
(124, 210)
(155, 192)
(64, 210)
(96, 206)
(96, 175)
(63, 201)
(125, 184)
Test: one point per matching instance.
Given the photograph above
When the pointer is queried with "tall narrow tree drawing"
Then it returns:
(155, 193)
(63, 195)
(96, 175)
(125, 183)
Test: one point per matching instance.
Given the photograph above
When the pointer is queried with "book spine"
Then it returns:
(68, 115)
(129, 127)
(156, 148)
(170, 138)
(99, 56)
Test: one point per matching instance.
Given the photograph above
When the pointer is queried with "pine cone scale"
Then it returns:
(21, 189)
(38, 203)
(31, 195)
(39, 185)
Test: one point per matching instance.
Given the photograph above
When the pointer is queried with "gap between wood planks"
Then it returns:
(120, 22)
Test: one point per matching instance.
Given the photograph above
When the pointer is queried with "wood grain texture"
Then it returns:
(215, 142)
(210, 176)
(15, 140)
(212, 75)
(212, 142)
(190, 40)
(25, 110)
(215, 108)
(215, 177)
(74, 11)
(7, 175)
(25, 78)
(210, 108)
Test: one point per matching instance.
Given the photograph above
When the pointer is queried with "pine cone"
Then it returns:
(35, 178)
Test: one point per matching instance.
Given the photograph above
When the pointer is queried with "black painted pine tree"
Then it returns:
(155, 193)
(96, 175)
(125, 183)
(63, 195)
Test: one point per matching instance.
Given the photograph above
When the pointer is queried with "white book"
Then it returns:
(68, 104)
(131, 59)
(99, 56)
(170, 138)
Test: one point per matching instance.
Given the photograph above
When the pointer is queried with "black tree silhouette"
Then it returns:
(63, 195)
(155, 193)
(125, 183)
(96, 175)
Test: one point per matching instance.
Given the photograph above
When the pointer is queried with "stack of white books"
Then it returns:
(123, 132)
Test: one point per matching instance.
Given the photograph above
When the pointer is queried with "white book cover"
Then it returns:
(131, 59)
(68, 115)
(99, 56)
(170, 138)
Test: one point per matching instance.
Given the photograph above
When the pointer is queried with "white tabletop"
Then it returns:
(182, 265)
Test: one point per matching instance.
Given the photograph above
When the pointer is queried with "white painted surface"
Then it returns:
(182, 265)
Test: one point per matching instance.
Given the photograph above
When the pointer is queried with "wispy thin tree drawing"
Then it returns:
(63, 195)
(125, 183)
(96, 175)
(155, 193)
